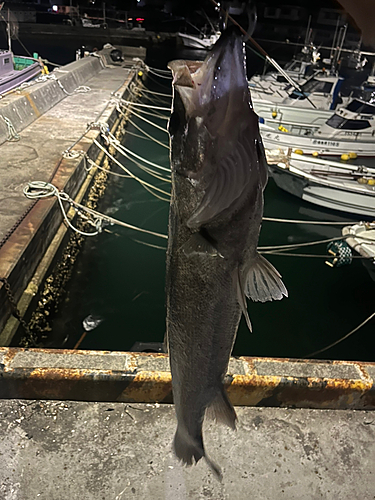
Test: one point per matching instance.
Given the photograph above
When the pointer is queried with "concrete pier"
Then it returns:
(47, 118)
(66, 449)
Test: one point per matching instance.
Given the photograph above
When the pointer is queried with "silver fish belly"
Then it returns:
(219, 173)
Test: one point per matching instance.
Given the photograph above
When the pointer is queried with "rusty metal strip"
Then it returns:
(141, 377)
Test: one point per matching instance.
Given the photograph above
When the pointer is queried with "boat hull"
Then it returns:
(310, 143)
(15, 78)
(362, 204)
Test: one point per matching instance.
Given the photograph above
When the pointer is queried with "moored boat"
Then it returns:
(15, 70)
(330, 184)
(348, 129)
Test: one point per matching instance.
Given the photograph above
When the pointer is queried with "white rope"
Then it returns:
(79, 90)
(342, 338)
(144, 89)
(317, 222)
(148, 135)
(154, 115)
(112, 140)
(161, 108)
(168, 77)
(12, 132)
(300, 245)
(40, 189)
(142, 182)
(148, 121)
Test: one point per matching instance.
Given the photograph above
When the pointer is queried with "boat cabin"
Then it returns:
(6, 62)
(321, 88)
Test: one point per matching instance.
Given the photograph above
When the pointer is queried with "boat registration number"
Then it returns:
(326, 143)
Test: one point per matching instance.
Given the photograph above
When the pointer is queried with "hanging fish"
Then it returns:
(219, 173)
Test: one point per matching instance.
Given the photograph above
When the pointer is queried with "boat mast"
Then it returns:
(8, 32)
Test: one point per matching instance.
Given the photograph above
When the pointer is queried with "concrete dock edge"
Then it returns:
(145, 378)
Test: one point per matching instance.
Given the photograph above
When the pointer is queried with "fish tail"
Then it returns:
(189, 450)
(221, 409)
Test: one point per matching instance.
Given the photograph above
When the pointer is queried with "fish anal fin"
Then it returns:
(263, 282)
(242, 299)
(221, 410)
(198, 244)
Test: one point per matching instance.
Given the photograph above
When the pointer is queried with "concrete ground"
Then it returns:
(53, 450)
(35, 155)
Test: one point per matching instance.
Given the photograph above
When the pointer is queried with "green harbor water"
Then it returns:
(119, 276)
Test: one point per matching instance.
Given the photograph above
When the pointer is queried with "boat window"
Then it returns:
(361, 107)
(317, 86)
(337, 121)
(6, 60)
(355, 124)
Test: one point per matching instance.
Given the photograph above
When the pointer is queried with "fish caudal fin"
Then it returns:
(190, 452)
(263, 282)
(221, 410)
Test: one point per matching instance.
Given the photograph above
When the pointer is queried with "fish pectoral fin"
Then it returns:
(242, 299)
(198, 244)
(221, 410)
(229, 184)
(263, 281)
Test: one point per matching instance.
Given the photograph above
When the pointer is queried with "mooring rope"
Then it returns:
(138, 104)
(114, 142)
(148, 121)
(38, 189)
(342, 338)
(317, 222)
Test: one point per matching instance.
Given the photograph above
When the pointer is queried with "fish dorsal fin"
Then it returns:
(198, 244)
(229, 182)
(263, 282)
(242, 299)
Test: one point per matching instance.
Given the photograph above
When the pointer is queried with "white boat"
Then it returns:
(349, 129)
(322, 91)
(15, 70)
(334, 185)
(361, 237)
(204, 42)
(300, 69)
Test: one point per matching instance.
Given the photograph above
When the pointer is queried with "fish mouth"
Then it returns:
(221, 74)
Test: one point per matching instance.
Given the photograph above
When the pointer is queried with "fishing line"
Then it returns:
(342, 338)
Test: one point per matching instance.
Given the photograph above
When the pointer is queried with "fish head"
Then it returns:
(211, 100)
